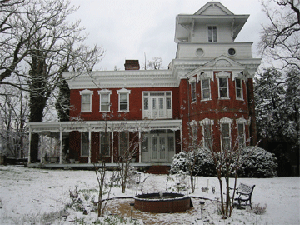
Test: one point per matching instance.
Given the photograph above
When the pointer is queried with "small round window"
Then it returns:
(199, 52)
(231, 51)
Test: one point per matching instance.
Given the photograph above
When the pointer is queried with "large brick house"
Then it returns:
(205, 96)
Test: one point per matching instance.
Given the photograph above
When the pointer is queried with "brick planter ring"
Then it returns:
(162, 202)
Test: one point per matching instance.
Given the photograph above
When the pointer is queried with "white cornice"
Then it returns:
(121, 79)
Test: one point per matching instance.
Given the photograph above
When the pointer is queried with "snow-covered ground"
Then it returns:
(32, 196)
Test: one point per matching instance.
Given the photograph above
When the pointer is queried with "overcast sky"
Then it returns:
(129, 29)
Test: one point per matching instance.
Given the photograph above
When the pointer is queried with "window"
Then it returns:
(145, 144)
(85, 144)
(212, 34)
(225, 136)
(207, 132)
(171, 144)
(223, 87)
(238, 88)
(104, 100)
(194, 134)
(205, 88)
(123, 143)
(157, 105)
(207, 136)
(193, 91)
(123, 100)
(241, 134)
(105, 143)
(86, 100)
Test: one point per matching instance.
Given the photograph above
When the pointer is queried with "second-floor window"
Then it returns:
(86, 101)
(223, 87)
(193, 91)
(104, 100)
(238, 88)
(123, 100)
(212, 33)
(205, 89)
(157, 105)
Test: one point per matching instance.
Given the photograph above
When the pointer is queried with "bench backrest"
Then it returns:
(245, 188)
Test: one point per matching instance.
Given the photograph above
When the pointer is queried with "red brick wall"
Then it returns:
(135, 104)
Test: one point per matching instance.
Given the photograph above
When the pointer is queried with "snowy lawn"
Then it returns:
(38, 196)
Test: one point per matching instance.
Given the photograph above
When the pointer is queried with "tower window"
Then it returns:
(212, 33)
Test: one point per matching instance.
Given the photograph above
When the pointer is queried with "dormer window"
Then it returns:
(212, 33)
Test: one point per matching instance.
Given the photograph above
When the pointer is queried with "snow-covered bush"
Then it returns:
(200, 161)
(257, 162)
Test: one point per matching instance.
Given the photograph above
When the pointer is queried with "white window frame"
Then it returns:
(214, 30)
(147, 101)
(241, 121)
(123, 91)
(221, 75)
(194, 132)
(101, 93)
(239, 88)
(225, 120)
(193, 91)
(202, 90)
(203, 123)
(90, 93)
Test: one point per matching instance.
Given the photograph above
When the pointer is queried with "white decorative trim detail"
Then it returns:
(206, 121)
(226, 120)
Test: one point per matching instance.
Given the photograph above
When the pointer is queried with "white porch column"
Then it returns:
(61, 146)
(112, 146)
(90, 146)
(29, 147)
(140, 147)
(181, 137)
(42, 140)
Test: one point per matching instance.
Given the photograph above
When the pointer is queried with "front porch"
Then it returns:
(155, 142)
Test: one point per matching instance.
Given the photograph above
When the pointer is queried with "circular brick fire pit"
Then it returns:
(162, 202)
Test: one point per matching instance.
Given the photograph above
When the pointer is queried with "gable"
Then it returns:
(222, 63)
(213, 8)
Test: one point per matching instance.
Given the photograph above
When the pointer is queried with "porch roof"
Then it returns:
(97, 126)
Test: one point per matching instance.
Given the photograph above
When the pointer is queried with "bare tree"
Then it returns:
(280, 39)
(55, 47)
(155, 64)
(105, 184)
(13, 113)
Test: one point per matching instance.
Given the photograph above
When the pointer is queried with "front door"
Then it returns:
(158, 146)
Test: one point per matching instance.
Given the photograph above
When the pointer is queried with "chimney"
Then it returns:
(132, 65)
